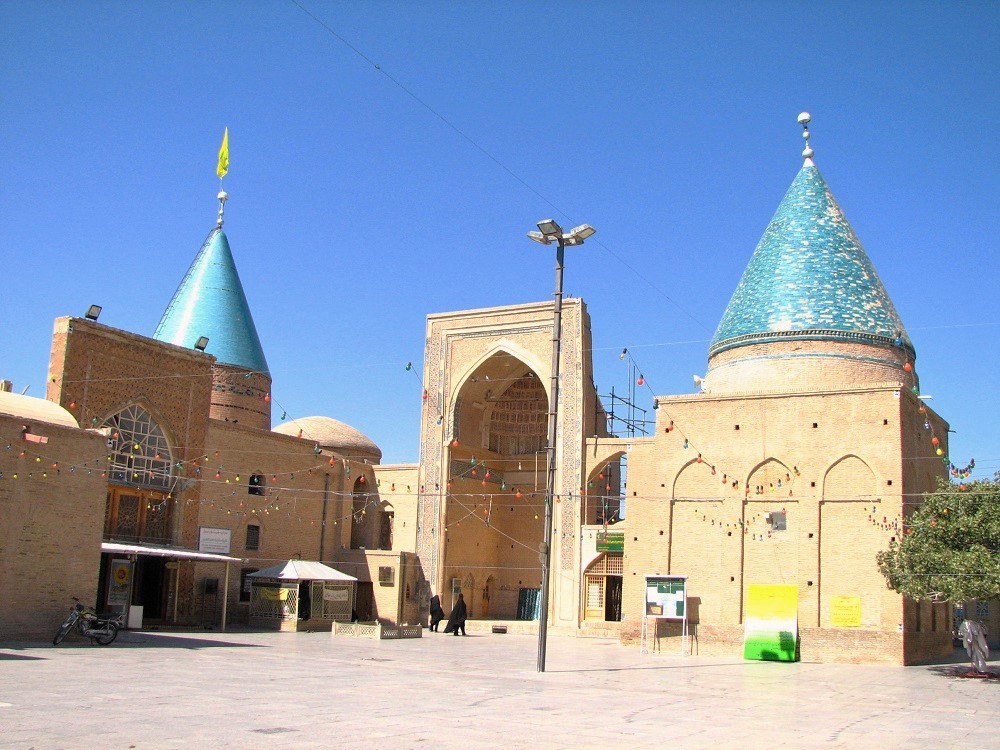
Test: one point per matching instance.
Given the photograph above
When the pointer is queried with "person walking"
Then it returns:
(456, 620)
(437, 614)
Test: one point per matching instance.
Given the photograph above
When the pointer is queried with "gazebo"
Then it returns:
(301, 595)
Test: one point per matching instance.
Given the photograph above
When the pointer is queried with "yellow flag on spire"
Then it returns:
(223, 168)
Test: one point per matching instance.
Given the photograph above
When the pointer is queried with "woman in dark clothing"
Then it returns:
(456, 620)
(437, 614)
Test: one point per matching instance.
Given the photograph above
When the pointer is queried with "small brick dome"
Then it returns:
(334, 435)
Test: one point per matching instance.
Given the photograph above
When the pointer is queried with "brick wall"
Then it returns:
(288, 516)
(397, 486)
(50, 526)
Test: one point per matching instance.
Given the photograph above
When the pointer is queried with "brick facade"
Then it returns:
(51, 514)
(843, 466)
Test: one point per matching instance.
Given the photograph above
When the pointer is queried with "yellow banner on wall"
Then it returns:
(845, 611)
(269, 594)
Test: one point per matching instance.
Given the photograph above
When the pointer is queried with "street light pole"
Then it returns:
(552, 232)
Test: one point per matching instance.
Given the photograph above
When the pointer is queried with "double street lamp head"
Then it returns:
(550, 232)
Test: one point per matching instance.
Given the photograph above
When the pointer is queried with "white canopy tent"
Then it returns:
(303, 570)
(301, 594)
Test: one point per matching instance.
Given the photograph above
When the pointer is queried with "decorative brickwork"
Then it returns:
(458, 344)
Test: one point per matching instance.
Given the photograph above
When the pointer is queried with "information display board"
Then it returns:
(666, 597)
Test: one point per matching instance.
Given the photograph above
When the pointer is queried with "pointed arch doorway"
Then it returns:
(603, 588)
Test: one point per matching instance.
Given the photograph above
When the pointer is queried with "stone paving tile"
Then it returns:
(309, 690)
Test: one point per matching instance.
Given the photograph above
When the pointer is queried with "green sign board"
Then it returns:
(610, 541)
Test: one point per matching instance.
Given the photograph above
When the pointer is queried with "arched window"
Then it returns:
(361, 519)
(140, 454)
(386, 517)
(256, 486)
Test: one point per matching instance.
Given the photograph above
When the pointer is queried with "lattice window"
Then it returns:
(595, 592)
(155, 529)
(128, 517)
(334, 599)
(613, 563)
(274, 601)
(140, 453)
(608, 564)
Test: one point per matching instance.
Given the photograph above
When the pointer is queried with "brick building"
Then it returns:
(800, 458)
(797, 462)
(170, 471)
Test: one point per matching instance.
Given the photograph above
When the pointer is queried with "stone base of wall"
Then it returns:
(923, 648)
(839, 645)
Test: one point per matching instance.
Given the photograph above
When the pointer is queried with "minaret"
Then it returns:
(810, 312)
(210, 302)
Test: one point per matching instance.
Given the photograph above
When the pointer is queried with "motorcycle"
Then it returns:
(100, 630)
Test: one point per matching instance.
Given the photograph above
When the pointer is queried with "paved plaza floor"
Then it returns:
(310, 690)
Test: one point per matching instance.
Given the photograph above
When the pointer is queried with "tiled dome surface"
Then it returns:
(210, 302)
(809, 278)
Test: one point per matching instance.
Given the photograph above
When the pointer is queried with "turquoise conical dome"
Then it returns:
(210, 302)
(809, 279)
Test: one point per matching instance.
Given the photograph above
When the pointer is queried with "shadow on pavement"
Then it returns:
(135, 639)
(19, 657)
(638, 668)
(165, 640)
(965, 670)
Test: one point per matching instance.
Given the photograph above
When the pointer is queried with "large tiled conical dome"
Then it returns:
(810, 313)
(809, 278)
(210, 302)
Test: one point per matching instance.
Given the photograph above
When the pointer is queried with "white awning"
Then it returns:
(303, 570)
(156, 550)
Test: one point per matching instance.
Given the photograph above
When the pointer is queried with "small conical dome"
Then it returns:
(210, 302)
(810, 311)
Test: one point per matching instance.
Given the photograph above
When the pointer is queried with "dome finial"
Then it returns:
(807, 153)
(222, 170)
(223, 196)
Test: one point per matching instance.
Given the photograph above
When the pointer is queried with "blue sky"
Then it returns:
(364, 198)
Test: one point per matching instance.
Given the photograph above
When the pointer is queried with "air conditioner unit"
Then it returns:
(386, 575)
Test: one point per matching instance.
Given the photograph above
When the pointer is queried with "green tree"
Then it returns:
(950, 547)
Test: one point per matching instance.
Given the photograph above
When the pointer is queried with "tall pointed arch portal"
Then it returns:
(495, 491)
